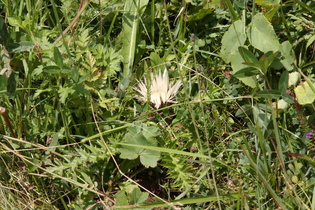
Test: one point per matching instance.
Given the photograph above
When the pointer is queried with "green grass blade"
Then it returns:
(133, 11)
(173, 151)
(186, 201)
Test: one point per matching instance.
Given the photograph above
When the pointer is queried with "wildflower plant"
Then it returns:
(158, 91)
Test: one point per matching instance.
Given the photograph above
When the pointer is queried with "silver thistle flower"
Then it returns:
(161, 92)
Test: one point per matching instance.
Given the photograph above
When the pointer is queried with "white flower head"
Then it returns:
(160, 91)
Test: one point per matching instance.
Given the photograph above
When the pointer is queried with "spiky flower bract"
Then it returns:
(160, 91)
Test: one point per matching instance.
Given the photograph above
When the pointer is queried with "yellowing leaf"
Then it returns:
(304, 93)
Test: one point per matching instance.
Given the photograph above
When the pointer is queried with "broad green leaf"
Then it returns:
(58, 58)
(232, 40)
(137, 197)
(149, 158)
(121, 199)
(294, 78)
(280, 105)
(262, 35)
(200, 14)
(245, 109)
(131, 153)
(274, 94)
(287, 98)
(133, 11)
(266, 60)
(135, 137)
(15, 21)
(237, 64)
(283, 82)
(246, 72)
(304, 93)
(247, 55)
(287, 56)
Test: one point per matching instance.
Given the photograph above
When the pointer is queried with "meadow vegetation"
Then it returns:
(76, 134)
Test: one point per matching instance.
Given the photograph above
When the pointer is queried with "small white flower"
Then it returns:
(160, 91)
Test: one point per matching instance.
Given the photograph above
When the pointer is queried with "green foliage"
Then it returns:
(141, 135)
(130, 195)
(74, 136)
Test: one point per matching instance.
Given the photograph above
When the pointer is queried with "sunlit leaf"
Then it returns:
(232, 40)
(262, 35)
(304, 93)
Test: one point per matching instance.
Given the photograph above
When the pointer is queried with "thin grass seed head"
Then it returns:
(160, 91)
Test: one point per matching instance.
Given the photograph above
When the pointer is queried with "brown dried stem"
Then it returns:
(7, 120)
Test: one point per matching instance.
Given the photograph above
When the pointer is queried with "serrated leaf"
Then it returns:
(137, 197)
(149, 158)
(121, 199)
(64, 92)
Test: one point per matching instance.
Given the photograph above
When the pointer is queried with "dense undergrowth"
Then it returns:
(74, 134)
